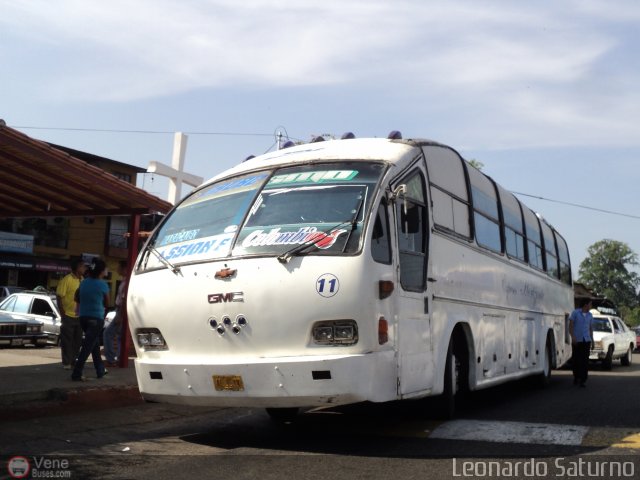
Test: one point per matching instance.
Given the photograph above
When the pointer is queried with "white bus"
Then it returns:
(344, 271)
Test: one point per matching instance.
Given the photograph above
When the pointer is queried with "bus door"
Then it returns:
(414, 343)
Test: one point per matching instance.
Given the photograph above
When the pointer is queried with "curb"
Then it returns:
(60, 401)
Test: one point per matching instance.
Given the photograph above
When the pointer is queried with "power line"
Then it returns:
(105, 130)
(579, 206)
(249, 134)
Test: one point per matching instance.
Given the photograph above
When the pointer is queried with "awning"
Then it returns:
(39, 180)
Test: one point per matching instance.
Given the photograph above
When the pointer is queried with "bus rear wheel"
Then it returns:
(545, 377)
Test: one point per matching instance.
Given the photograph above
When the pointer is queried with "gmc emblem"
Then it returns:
(226, 297)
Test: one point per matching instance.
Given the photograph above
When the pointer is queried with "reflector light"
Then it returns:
(383, 331)
(385, 288)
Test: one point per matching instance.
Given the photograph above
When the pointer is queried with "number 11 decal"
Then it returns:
(327, 285)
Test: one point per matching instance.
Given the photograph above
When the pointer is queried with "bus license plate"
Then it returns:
(228, 383)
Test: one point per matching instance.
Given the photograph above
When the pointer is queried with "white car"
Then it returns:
(612, 339)
(36, 306)
(6, 291)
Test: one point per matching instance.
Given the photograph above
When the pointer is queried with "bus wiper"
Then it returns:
(298, 249)
(175, 269)
(354, 223)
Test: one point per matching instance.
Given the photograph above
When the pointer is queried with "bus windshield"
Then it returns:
(269, 213)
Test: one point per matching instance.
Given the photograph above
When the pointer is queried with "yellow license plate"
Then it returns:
(228, 383)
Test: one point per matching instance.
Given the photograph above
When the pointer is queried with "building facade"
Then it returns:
(36, 252)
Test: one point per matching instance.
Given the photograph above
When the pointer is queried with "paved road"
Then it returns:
(559, 431)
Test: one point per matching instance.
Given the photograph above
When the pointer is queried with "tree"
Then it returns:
(606, 272)
(476, 163)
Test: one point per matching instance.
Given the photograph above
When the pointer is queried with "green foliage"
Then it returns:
(631, 316)
(606, 272)
(476, 163)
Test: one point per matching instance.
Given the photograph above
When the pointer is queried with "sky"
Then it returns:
(545, 94)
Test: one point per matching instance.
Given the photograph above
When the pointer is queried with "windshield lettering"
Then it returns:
(314, 177)
(179, 237)
(321, 240)
(318, 208)
(196, 249)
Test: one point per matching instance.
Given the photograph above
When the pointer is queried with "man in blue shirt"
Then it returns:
(581, 330)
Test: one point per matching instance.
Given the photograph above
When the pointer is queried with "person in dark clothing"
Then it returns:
(581, 330)
(93, 298)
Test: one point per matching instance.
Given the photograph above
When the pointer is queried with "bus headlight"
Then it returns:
(335, 332)
(151, 339)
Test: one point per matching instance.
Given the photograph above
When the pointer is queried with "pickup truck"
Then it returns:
(612, 339)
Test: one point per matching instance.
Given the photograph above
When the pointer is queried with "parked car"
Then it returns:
(638, 339)
(6, 291)
(16, 331)
(37, 306)
(612, 339)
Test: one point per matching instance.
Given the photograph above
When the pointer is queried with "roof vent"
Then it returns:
(394, 135)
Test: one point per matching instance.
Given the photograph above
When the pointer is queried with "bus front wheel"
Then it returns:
(452, 382)
(282, 415)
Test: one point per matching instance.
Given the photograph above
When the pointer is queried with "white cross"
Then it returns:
(176, 172)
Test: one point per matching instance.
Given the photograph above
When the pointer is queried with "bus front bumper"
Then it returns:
(303, 381)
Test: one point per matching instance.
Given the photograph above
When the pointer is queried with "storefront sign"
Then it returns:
(16, 242)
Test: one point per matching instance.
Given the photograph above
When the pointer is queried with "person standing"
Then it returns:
(70, 330)
(93, 297)
(581, 330)
(112, 330)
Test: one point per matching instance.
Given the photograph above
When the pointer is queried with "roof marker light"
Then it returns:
(394, 135)
(319, 138)
(347, 136)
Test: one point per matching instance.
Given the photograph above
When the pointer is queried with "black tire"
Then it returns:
(628, 358)
(544, 378)
(446, 402)
(282, 415)
(607, 363)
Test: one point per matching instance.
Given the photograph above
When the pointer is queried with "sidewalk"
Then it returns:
(33, 383)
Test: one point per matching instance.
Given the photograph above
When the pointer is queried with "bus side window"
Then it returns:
(380, 244)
